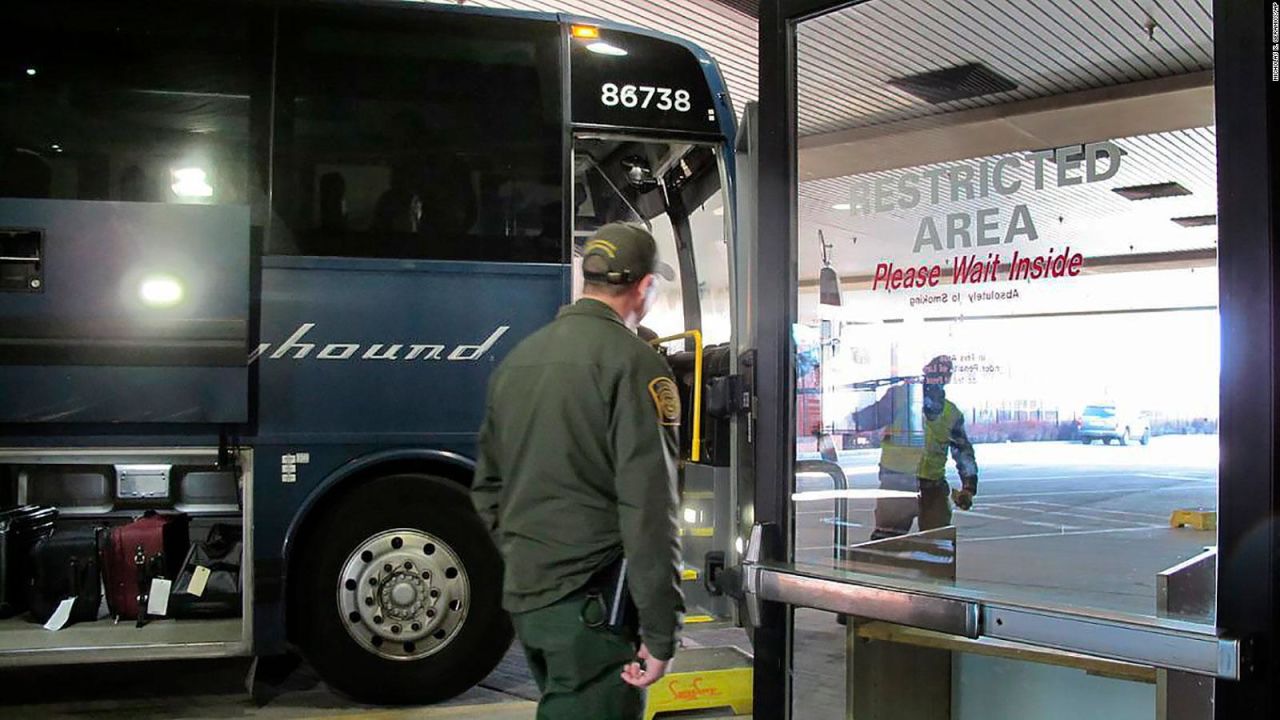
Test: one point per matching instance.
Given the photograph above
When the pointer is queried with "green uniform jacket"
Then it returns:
(577, 465)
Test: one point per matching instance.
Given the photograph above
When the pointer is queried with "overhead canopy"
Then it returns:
(919, 90)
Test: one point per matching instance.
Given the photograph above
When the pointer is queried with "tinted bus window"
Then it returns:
(127, 101)
(410, 133)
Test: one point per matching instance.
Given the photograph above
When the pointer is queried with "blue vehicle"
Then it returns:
(257, 262)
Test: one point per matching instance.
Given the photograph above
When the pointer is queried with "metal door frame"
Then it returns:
(1248, 504)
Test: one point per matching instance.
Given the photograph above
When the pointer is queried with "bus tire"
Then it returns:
(397, 594)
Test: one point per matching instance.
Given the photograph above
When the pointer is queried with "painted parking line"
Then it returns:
(1108, 511)
(1033, 523)
(1078, 512)
(1099, 491)
(1143, 528)
(1038, 478)
(1185, 478)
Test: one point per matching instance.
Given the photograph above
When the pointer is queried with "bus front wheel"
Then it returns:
(398, 593)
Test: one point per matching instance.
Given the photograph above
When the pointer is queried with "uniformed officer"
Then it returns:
(913, 453)
(577, 469)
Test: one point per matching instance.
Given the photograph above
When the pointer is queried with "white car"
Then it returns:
(1106, 423)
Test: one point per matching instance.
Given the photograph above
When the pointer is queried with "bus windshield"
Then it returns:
(675, 191)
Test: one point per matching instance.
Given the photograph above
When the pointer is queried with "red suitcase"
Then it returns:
(150, 547)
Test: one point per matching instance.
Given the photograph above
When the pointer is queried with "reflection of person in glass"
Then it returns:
(920, 425)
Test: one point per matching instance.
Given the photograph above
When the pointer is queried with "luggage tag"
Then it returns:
(61, 615)
(158, 598)
(199, 578)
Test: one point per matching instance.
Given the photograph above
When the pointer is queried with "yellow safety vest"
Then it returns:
(923, 457)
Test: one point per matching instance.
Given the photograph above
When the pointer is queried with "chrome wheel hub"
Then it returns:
(403, 594)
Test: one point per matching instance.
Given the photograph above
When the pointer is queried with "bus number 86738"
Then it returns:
(642, 96)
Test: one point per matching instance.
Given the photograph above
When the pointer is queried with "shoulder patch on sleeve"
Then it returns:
(666, 399)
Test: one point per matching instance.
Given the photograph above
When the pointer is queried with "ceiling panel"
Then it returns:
(729, 34)
(1047, 47)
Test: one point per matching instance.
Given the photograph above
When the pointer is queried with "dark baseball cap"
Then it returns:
(622, 254)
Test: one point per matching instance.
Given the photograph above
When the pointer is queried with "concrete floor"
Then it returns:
(214, 690)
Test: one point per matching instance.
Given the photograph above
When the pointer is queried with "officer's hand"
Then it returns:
(646, 671)
(963, 499)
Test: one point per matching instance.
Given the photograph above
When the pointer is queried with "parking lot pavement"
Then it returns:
(1059, 522)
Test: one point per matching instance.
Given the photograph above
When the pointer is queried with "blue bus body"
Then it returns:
(359, 410)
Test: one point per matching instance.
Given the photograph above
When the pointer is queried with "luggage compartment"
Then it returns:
(109, 488)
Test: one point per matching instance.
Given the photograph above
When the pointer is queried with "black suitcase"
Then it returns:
(220, 554)
(65, 565)
(20, 529)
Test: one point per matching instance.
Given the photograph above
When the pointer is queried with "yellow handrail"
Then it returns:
(695, 451)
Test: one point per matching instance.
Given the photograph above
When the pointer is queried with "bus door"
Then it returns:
(676, 189)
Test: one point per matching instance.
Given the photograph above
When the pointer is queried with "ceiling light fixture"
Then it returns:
(1151, 191)
(959, 82)
(604, 48)
(1191, 221)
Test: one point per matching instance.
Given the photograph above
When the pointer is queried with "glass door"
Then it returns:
(1006, 361)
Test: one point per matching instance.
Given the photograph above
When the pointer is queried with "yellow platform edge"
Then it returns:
(1197, 519)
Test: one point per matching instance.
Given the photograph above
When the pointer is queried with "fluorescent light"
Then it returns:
(160, 291)
(191, 182)
(604, 48)
(842, 206)
(740, 546)
(690, 515)
(1196, 220)
(1152, 191)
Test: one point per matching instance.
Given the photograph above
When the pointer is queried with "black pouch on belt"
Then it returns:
(609, 604)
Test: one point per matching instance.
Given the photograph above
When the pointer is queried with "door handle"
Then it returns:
(1154, 642)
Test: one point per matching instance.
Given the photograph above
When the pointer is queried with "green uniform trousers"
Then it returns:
(577, 668)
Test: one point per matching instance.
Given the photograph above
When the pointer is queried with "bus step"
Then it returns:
(711, 678)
